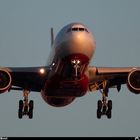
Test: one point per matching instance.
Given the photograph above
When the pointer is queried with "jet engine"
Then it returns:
(5, 80)
(133, 81)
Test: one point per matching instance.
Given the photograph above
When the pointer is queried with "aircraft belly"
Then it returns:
(63, 88)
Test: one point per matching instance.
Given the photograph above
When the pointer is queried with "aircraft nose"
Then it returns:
(76, 43)
(78, 39)
(81, 42)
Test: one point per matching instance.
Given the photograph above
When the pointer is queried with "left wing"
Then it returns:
(114, 77)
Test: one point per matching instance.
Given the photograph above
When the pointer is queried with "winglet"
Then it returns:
(52, 37)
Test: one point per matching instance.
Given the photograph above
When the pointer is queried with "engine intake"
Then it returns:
(133, 81)
(5, 80)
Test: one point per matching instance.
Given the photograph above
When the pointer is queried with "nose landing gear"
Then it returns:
(104, 107)
(76, 66)
(25, 107)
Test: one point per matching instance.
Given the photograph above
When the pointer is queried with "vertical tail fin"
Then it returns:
(52, 37)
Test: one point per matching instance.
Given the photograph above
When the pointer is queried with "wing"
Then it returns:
(115, 77)
(31, 78)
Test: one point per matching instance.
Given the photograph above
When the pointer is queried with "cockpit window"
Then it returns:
(74, 29)
(81, 29)
(77, 29)
(86, 30)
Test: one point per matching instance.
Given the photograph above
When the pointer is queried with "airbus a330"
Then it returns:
(68, 74)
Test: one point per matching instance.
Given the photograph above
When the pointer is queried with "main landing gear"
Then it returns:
(104, 106)
(25, 107)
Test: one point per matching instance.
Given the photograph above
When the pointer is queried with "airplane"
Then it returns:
(68, 74)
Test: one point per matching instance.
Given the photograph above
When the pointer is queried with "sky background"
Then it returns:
(25, 41)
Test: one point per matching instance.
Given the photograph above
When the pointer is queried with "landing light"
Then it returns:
(75, 61)
(78, 61)
(42, 71)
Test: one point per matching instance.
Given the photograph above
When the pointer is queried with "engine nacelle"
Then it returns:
(133, 81)
(5, 80)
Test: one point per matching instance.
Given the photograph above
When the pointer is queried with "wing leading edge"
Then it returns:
(115, 76)
(31, 78)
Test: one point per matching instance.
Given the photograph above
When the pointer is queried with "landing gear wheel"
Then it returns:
(20, 114)
(99, 105)
(104, 107)
(109, 114)
(25, 107)
(21, 104)
(30, 114)
(31, 104)
(109, 105)
(99, 114)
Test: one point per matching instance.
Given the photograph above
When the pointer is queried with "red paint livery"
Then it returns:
(64, 85)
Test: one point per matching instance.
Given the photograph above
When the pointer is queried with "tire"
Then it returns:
(99, 105)
(20, 114)
(99, 114)
(109, 114)
(30, 114)
(109, 105)
(20, 105)
(31, 105)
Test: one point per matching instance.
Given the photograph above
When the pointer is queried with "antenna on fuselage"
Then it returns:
(52, 37)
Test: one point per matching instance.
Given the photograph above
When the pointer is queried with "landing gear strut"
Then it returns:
(25, 107)
(104, 106)
(76, 66)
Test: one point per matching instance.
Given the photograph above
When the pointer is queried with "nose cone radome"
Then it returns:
(75, 38)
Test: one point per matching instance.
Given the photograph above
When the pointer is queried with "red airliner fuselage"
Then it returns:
(71, 53)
